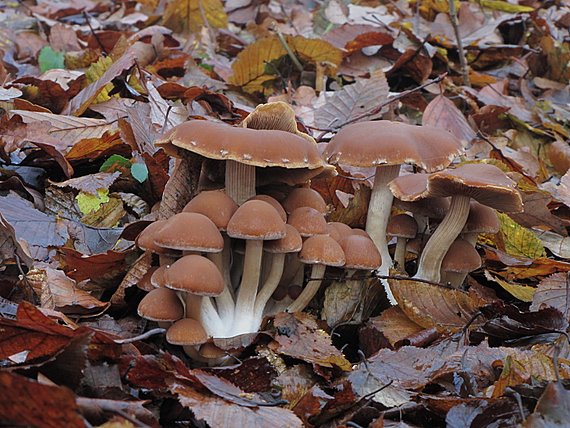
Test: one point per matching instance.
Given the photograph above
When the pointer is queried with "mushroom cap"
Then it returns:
(290, 243)
(481, 219)
(304, 197)
(360, 232)
(360, 252)
(402, 226)
(261, 148)
(461, 257)
(256, 220)
(188, 231)
(384, 142)
(145, 240)
(214, 204)
(273, 202)
(322, 249)
(161, 304)
(338, 230)
(186, 332)
(195, 274)
(211, 351)
(485, 183)
(157, 277)
(145, 283)
(308, 221)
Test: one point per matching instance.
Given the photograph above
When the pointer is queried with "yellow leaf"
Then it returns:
(505, 6)
(518, 240)
(190, 16)
(107, 215)
(94, 73)
(250, 67)
(88, 202)
(524, 293)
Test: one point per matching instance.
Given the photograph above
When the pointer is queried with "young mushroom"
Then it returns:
(460, 259)
(403, 227)
(387, 145)
(161, 305)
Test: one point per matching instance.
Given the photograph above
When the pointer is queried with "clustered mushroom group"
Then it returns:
(233, 255)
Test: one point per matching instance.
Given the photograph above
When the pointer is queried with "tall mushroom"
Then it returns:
(485, 183)
(387, 145)
(254, 221)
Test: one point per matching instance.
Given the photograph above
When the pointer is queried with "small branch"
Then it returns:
(460, 51)
(143, 336)
(288, 49)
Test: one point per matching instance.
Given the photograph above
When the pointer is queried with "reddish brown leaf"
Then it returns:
(29, 403)
(442, 113)
(100, 266)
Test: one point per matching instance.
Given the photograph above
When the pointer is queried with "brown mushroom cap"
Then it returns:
(481, 219)
(273, 202)
(391, 143)
(322, 249)
(308, 221)
(189, 231)
(186, 332)
(161, 304)
(304, 197)
(215, 205)
(195, 274)
(256, 220)
(360, 232)
(145, 240)
(337, 229)
(360, 253)
(210, 351)
(485, 183)
(402, 226)
(261, 148)
(461, 257)
(145, 283)
(157, 277)
(290, 243)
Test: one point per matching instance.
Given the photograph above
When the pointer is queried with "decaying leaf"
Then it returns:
(524, 293)
(192, 15)
(519, 241)
(442, 113)
(553, 291)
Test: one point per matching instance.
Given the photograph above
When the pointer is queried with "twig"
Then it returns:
(143, 336)
(460, 51)
(87, 18)
(288, 49)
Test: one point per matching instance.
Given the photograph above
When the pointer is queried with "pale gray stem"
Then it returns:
(378, 215)
(248, 288)
(310, 289)
(240, 181)
(269, 286)
(436, 247)
(400, 253)
(455, 279)
(225, 301)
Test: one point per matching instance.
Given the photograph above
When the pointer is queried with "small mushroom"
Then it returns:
(403, 227)
(460, 259)
(161, 305)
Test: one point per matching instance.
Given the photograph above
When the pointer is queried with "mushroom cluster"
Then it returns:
(234, 255)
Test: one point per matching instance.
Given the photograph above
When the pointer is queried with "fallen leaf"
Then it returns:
(552, 409)
(297, 335)
(524, 293)
(185, 16)
(442, 113)
(554, 292)
(517, 240)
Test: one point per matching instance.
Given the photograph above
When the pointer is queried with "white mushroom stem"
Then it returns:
(400, 253)
(448, 230)
(378, 215)
(248, 288)
(208, 315)
(301, 302)
(269, 286)
(225, 301)
(240, 181)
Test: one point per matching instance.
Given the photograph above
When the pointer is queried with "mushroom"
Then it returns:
(290, 243)
(403, 227)
(161, 305)
(219, 208)
(254, 221)
(485, 183)
(320, 251)
(190, 232)
(481, 219)
(187, 333)
(200, 279)
(243, 149)
(386, 145)
(460, 259)
(304, 197)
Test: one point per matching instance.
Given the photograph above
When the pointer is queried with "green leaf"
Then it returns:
(89, 203)
(116, 163)
(139, 171)
(519, 241)
(50, 59)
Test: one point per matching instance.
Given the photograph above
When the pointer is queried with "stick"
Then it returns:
(461, 52)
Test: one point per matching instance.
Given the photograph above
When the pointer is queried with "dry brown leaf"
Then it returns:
(443, 114)
(353, 101)
(90, 183)
(553, 291)
(134, 275)
(59, 292)
(429, 305)
(395, 325)
(183, 16)
(10, 247)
